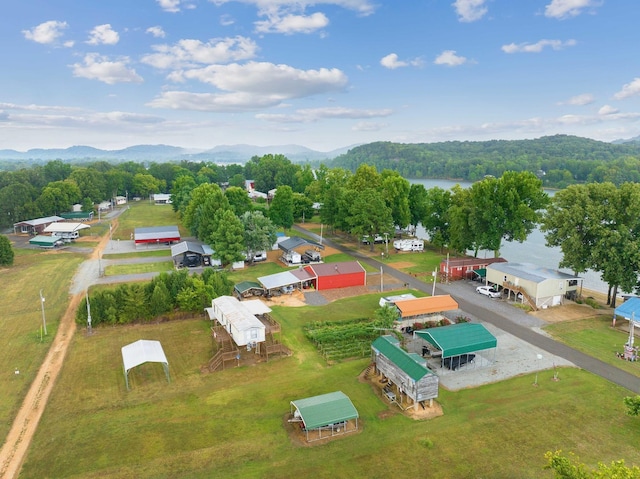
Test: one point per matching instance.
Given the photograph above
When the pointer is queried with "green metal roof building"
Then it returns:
(457, 339)
(408, 372)
(330, 414)
(46, 241)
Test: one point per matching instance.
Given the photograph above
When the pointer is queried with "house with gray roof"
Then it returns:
(541, 287)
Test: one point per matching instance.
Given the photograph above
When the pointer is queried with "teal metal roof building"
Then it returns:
(329, 414)
(412, 381)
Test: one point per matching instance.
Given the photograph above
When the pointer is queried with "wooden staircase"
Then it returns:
(517, 289)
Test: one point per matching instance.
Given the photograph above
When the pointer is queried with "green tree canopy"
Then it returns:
(259, 232)
(227, 237)
(6, 251)
(281, 210)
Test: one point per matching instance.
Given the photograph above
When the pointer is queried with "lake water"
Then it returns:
(532, 250)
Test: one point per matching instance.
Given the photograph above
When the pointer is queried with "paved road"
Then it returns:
(503, 316)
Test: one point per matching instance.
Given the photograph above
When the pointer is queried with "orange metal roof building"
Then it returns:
(427, 305)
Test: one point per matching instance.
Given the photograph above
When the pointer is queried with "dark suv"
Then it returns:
(454, 362)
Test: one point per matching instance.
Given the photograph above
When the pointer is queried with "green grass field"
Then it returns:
(144, 214)
(595, 337)
(232, 423)
(21, 320)
(137, 268)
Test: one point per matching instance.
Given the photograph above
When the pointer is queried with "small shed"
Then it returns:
(140, 352)
(46, 241)
(541, 287)
(239, 320)
(465, 267)
(408, 373)
(337, 275)
(246, 289)
(156, 235)
(292, 249)
(458, 339)
(35, 226)
(325, 416)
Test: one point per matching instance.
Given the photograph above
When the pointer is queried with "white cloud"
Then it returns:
(290, 24)
(363, 7)
(608, 110)
(470, 10)
(449, 58)
(310, 115)
(538, 46)
(568, 8)
(226, 20)
(188, 52)
(251, 86)
(629, 90)
(269, 79)
(156, 31)
(97, 67)
(169, 5)
(392, 62)
(45, 33)
(579, 100)
(103, 35)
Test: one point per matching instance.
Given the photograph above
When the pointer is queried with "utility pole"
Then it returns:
(86, 295)
(44, 321)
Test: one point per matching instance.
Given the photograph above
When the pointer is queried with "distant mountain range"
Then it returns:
(161, 153)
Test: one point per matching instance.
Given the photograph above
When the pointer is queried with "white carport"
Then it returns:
(296, 278)
(140, 352)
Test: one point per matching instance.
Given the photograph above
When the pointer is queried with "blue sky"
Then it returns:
(323, 74)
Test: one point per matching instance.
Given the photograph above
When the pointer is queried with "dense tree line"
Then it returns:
(164, 295)
(368, 202)
(559, 160)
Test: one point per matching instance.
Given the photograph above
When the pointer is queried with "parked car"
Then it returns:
(488, 291)
(454, 362)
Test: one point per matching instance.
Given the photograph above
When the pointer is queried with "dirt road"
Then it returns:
(14, 449)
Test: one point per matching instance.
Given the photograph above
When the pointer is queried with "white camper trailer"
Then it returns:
(409, 245)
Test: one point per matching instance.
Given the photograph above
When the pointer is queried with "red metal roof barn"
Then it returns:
(338, 275)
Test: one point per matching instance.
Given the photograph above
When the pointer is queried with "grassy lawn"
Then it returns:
(595, 337)
(137, 254)
(137, 268)
(142, 215)
(21, 319)
(232, 423)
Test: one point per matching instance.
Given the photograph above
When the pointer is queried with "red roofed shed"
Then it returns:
(463, 268)
(337, 275)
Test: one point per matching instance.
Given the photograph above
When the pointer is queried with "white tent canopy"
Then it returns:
(140, 352)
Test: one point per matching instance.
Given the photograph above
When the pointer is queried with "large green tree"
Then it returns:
(437, 203)
(395, 190)
(281, 210)
(417, 204)
(508, 208)
(259, 232)
(238, 199)
(6, 251)
(369, 215)
(227, 237)
(206, 201)
(597, 227)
